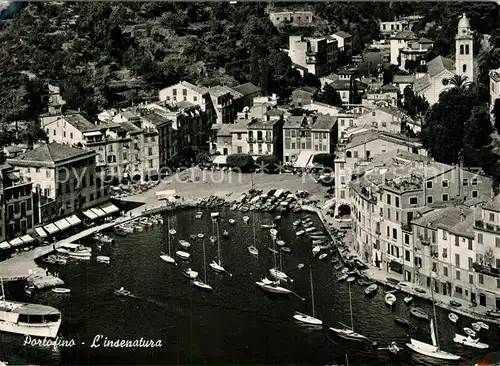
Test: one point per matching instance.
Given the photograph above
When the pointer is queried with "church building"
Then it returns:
(441, 69)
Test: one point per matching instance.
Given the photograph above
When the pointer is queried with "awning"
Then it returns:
(90, 214)
(62, 224)
(92, 133)
(396, 267)
(220, 160)
(41, 233)
(51, 228)
(110, 209)
(303, 159)
(16, 242)
(73, 220)
(27, 238)
(4, 245)
(98, 212)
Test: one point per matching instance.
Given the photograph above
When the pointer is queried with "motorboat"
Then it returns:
(276, 273)
(166, 258)
(245, 219)
(296, 223)
(345, 270)
(408, 299)
(364, 282)
(286, 250)
(138, 227)
(349, 334)
(198, 215)
(300, 232)
(61, 290)
(216, 267)
(469, 341)
(309, 229)
(343, 277)
(253, 250)
(322, 256)
(401, 321)
(316, 250)
(317, 233)
(201, 236)
(192, 236)
(469, 332)
(307, 319)
(350, 279)
(431, 351)
(189, 273)
(103, 259)
(126, 229)
(202, 285)
(183, 255)
(225, 233)
(122, 292)
(277, 218)
(493, 313)
(213, 239)
(231, 221)
(273, 232)
(172, 232)
(453, 317)
(455, 304)
(300, 266)
(419, 313)
(483, 325)
(75, 251)
(29, 289)
(184, 243)
(267, 226)
(370, 290)
(273, 288)
(476, 327)
(280, 243)
(102, 238)
(390, 299)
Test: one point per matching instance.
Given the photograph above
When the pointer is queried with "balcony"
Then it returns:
(406, 227)
(424, 240)
(377, 231)
(485, 269)
(251, 139)
(479, 224)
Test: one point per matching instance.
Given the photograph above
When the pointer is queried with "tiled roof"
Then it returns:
(240, 126)
(341, 84)
(79, 122)
(182, 104)
(259, 124)
(324, 122)
(156, 118)
(422, 83)
(224, 130)
(424, 40)
(130, 127)
(439, 64)
(196, 88)
(247, 89)
(50, 153)
(220, 90)
(307, 89)
(457, 220)
(493, 204)
(404, 34)
(403, 79)
(372, 135)
(343, 34)
(274, 112)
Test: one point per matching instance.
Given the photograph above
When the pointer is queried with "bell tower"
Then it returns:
(464, 58)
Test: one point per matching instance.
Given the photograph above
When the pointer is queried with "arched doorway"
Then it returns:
(344, 210)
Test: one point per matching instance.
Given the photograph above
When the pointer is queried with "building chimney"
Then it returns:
(462, 216)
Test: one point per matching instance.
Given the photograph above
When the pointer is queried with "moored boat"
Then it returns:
(322, 256)
(390, 299)
(483, 325)
(184, 243)
(182, 255)
(469, 332)
(401, 321)
(343, 277)
(300, 266)
(286, 250)
(300, 232)
(280, 243)
(189, 273)
(371, 289)
(307, 319)
(296, 223)
(419, 313)
(103, 259)
(350, 279)
(452, 317)
(61, 290)
(225, 233)
(476, 327)
(431, 351)
(232, 221)
(122, 292)
(469, 341)
(245, 219)
(408, 299)
(273, 288)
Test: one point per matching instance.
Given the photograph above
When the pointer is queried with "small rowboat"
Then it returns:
(189, 273)
(483, 325)
(122, 292)
(419, 313)
(351, 279)
(286, 249)
(184, 243)
(201, 235)
(307, 319)
(225, 233)
(296, 223)
(300, 265)
(277, 218)
(61, 290)
(213, 239)
(182, 255)
(322, 256)
(274, 251)
(245, 219)
(343, 277)
(408, 299)
(103, 259)
(192, 236)
(390, 299)
(281, 243)
(453, 317)
(469, 341)
(476, 327)
(371, 289)
(232, 221)
(401, 321)
(172, 232)
(470, 332)
(300, 232)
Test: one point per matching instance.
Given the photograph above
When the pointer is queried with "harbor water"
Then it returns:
(237, 323)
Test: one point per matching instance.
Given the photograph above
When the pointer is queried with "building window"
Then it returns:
(457, 274)
(388, 199)
(474, 194)
(444, 183)
(461, 49)
(466, 49)
(469, 246)
(445, 197)
(492, 217)
(470, 264)
(471, 278)
(474, 181)
(429, 199)
(413, 200)
(407, 239)
(464, 68)
(480, 278)
(429, 184)
(394, 234)
(445, 271)
(238, 135)
(480, 238)
(397, 201)
(465, 182)
(457, 260)
(445, 235)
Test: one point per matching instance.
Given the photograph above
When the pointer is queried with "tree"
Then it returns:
(244, 162)
(388, 77)
(496, 114)
(330, 96)
(413, 104)
(311, 80)
(270, 164)
(326, 160)
(460, 81)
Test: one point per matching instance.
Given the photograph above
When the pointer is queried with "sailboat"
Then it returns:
(273, 287)
(431, 350)
(217, 266)
(168, 257)
(252, 248)
(307, 318)
(349, 333)
(275, 272)
(203, 284)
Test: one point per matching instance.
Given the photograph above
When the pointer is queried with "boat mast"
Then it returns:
(435, 317)
(168, 233)
(274, 252)
(3, 291)
(218, 242)
(312, 290)
(204, 261)
(253, 215)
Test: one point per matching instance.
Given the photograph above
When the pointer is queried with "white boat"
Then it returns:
(343, 277)
(310, 229)
(276, 273)
(122, 292)
(217, 265)
(350, 279)
(172, 232)
(390, 299)
(184, 243)
(199, 215)
(300, 232)
(296, 223)
(201, 235)
(168, 257)
(75, 250)
(408, 299)
(476, 327)
(453, 317)
(253, 250)
(316, 249)
(102, 238)
(483, 325)
(103, 258)
(322, 256)
(300, 266)
(281, 243)
(28, 319)
(214, 215)
(231, 221)
(273, 232)
(307, 318)
(273, 288)
(203, 285)
(245, 219)
(189, 273)
(183, 255)
(138, 227)
(61, 290)
(126, 229)
(371, 289)
(277, 218)
(431, 350)
(213, 239)
(469, 341)
(225, 233)
(469, 332)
